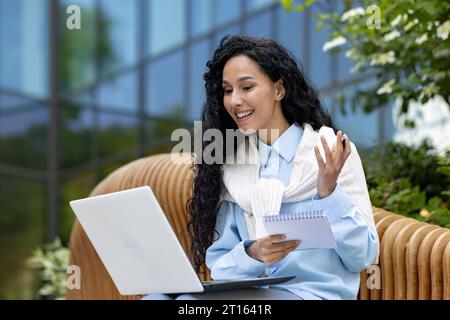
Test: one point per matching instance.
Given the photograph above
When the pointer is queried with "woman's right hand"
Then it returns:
(271, 249)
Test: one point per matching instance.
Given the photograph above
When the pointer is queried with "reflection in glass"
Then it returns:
(226, 11)
(167, 28)
(291, 32)
(362, 128)
(71, 189)
(166, 83)
(120, 20)
(25, 144)
(118, 133)
(232, 30)
(345, 66)
(260, 25)
(251, 5)
(201, 14)
(158, 133)
(22, 228)
(24, 32)
(319, 66)
(119, 93)
(77, 47)
(198, 58)
(10, 102)
(76, 132)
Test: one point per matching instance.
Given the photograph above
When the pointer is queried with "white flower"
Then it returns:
(441, 53)
(350, 53)
(422, 39)
(411, 24)
(336, 42)
(430, 89)
(396, 21)
(429, 25)
(356, 67)
(443, 30)
(386, 87)
(352, 13)
(391, 35)
(383, 58)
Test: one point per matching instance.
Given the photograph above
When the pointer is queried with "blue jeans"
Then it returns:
(242, 294)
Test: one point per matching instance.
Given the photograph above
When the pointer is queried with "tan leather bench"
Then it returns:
(414, 256)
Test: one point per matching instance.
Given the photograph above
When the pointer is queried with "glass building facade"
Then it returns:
(77, 104)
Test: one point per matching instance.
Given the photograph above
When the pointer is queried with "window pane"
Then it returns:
(226, 11)
(158, 133)
(120, 31)
(22, 227)
(118, 133)
(23, 138)
(10, 102)
(201, 14)
(344, 67)
(260, 25)
(84, 97)
(166, 83)
(74, 188)
(167, 24)
(291, 32)
(77, 48)
(119, 93)
(198, 58)
(362, 128)
(76, 135)
(233, 30)
(319, 68)
(252, 5)
(24, 31)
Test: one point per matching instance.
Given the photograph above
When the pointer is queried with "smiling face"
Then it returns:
(251, 98)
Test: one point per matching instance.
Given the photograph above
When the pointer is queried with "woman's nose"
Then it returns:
(236, 99)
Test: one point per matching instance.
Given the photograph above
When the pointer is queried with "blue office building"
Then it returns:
(77, 103)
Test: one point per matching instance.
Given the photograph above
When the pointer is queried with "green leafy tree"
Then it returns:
(404, 44)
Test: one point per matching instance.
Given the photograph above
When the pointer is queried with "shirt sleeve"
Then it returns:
(226, 257)
(356, 244)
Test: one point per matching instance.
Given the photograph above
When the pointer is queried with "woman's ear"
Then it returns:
(280, 91)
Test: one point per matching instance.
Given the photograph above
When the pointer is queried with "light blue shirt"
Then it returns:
(320, 273)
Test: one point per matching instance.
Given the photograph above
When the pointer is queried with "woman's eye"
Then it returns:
(247, 88)
(227, 91)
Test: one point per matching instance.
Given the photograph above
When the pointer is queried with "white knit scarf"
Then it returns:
(260, 196)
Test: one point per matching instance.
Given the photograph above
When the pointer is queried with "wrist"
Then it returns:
(251, 252)
(326, 193)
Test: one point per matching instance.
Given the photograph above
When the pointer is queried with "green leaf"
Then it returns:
(46, 290)
(287, 4)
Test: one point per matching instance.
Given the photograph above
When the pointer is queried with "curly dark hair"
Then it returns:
(300, 104)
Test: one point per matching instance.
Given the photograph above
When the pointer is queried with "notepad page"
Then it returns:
(312, 230)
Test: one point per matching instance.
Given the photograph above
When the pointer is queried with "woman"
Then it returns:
(254, 85)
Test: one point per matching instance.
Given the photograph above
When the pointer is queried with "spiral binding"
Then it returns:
(295, 216)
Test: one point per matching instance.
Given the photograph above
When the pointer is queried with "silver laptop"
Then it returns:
(139, 248)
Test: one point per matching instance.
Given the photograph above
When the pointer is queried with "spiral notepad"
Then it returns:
(310, 227)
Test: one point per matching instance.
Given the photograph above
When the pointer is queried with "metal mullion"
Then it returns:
(53, 135)
(142, 45)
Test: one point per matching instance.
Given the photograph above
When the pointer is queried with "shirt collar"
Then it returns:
(286, 145)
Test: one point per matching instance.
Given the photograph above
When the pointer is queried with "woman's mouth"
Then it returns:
(244, 115)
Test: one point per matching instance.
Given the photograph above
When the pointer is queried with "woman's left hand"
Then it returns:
(335, 159)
